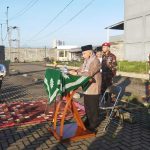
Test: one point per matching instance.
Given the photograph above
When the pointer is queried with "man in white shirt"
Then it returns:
(99, 54)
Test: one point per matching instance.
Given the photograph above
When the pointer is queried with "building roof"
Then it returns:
(75, 50)
(67, 47)
(117, 26)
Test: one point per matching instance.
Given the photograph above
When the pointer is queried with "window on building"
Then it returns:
(61, 53)
(66, 53)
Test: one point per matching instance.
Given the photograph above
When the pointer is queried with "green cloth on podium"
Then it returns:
(59, 83)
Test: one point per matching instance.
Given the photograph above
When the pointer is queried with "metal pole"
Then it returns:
(1, 35)
(8, 33)
(7, 19)
(45, 51)
(9, 41)
(18, 43)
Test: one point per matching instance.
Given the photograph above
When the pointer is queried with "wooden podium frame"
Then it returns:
(72, 131)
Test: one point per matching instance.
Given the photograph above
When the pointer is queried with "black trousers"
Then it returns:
(106, 81)
(91, 104)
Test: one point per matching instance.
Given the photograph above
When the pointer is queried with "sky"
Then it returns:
(76, 22)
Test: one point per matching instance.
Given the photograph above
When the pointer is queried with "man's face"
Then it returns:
(99, 54)
(86, 54)
(105, 49)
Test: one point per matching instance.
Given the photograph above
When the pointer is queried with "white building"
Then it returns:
(136, 26)
(68, 53)
(137, 29)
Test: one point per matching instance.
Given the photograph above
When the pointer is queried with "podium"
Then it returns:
(67, 87)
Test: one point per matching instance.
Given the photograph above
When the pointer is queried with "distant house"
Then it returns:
(66, 53)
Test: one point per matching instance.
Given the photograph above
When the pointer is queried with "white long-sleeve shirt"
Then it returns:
(100, 60)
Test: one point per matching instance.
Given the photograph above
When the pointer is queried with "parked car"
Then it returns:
(2, 73)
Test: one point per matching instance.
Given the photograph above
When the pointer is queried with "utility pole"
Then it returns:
(7, 19)
(14, 42)
(8, 33)
(13, 34)
(45, 51)
(1, 35)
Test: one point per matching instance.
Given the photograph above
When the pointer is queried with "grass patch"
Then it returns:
(137, 67)
(71, 63)
(124, 66)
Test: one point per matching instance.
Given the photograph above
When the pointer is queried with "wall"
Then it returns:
(2, 53)
(136, 29)
(117, 46)
(29, 54)
(38, 54)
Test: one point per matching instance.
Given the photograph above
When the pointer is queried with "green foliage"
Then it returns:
(124, 66)
(137, 67)
(70, 63)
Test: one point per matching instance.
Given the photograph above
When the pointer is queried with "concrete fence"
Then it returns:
(26, 54)
(38, 54)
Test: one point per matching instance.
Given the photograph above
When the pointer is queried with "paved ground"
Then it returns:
(18, 86)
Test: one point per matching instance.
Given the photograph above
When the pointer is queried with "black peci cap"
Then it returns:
(98, 49)
(86, 47)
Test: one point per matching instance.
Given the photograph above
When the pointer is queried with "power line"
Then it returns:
(71, 19)
(1, 34)
(25, 9)
(52, 20)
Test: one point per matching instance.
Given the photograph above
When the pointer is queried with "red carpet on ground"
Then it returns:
(31, 112)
